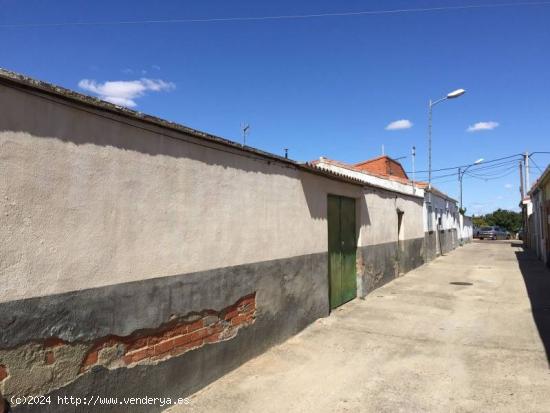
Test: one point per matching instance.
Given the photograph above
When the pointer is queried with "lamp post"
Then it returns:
(461, 173)
(453, 95)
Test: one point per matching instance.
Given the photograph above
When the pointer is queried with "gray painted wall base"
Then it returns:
(384, 262)
(444, 241)
(290, 294)
(174, 378)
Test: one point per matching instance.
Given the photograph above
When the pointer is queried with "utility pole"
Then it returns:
(413, 153)
(527, 183)
(430, 110)
(453, 95)
(460, 184)
(521, 188)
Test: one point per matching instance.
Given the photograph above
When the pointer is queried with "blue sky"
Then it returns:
(322, 86)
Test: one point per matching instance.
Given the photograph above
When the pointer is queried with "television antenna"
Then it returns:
(245, 128)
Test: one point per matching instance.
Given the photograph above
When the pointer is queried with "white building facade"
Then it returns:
(441, 223)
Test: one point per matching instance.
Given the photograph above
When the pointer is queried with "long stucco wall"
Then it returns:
(385, 252)
(138, 257)
(441, 226)
(466, 228)
(134, 257)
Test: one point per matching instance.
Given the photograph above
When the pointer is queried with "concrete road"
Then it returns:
(456, 335)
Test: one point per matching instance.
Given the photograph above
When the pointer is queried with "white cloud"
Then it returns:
(125, 93)
(508, 186)
(479, 126)
(156, 67)
(400, 124)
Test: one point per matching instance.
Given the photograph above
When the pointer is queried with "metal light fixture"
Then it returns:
(452, 95)
(456, 93)
(461, 177)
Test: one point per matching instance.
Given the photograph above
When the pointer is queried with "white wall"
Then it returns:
(382, 199)
(466, 229)
(380, 217)
(441, 207)
(92, 199)
(537, 231)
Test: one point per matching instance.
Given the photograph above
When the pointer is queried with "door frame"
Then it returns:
(346, 276)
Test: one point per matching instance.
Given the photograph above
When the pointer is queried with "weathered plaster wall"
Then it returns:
(112, 230)
(442, 208)
(90, 201)
(466, 229)
(115, 232)
(383, 252)
(441, 225)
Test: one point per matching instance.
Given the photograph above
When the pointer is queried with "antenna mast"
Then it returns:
(413, 153)
(245, 127)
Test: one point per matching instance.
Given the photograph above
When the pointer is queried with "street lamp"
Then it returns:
(453, 95)
(461, 177)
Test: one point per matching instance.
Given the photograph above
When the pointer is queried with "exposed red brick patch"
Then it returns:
(49, 357)
(178, 336)
(90, 359)
(3, 372)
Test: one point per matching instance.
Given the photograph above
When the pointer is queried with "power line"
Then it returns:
(494, 175)
(491, 168)
(495, 172)
(280, 17)
(511, 171)
(443, 176)
(498, 174)
(484, 163)
(445, 181)
(538, 167)
(455, 174)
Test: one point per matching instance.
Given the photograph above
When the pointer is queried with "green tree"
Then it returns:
(509, 220)
(480, 221)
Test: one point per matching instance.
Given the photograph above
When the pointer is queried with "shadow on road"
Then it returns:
(537, 280)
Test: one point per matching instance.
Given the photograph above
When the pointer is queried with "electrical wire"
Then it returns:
(534, 163)
(481, 167)
(490, 169)
(464, 166)
(434, 178)
(494, 177)
(497, 171)
(279, 17)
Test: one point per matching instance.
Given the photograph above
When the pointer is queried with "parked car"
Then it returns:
(476, 232)
(493, 233)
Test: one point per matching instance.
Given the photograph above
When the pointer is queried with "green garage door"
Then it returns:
(341, 249)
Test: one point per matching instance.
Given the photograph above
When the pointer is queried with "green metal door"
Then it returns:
(342, 249)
